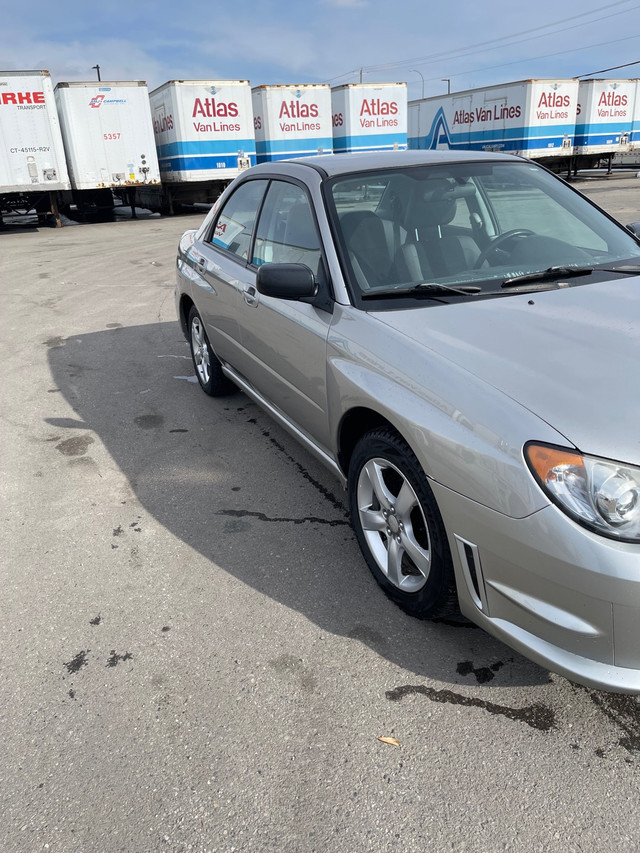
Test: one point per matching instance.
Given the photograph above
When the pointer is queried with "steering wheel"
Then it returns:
(499, 240)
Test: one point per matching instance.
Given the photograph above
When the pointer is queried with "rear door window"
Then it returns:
(233, 227)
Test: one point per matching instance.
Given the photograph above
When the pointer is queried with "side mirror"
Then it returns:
(286, 281)
(634, 227)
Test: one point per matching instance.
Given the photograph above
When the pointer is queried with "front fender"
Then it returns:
(467, 435)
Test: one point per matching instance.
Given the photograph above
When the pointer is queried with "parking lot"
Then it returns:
(195, 657)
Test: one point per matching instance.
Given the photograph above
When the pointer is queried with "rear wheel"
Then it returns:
(399, 527)
(208, 369)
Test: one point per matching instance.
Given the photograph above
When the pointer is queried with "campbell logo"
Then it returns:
(612, 99)
(22, 98)
(378, 107)
(96, 101)
(210, 108)
(553, 99)
(294, 109)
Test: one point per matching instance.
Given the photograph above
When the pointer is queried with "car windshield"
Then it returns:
(474, 223)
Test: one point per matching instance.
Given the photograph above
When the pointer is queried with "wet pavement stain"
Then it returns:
(84, 462)
(326, 494)
(114, 659)
(483, 674)
(96, 620)
(76, 446)
(80, 660)
(237, 526)
(366, 635)
(118, 531)
(624, 711)
(309, 519)
(149, 421)
(54, 342)
(537, 716)
(291, 665)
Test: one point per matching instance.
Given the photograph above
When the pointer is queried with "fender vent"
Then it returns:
(472, 570)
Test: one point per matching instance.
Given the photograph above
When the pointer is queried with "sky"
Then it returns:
(433, 45)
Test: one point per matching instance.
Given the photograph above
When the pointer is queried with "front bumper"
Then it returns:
(562, 596)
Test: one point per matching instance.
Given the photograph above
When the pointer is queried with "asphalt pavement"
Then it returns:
(194, 655)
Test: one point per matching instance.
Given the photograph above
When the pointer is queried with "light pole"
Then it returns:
(448, 82)
(96, 68)
(413, 71)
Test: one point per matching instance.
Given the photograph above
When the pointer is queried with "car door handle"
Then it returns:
(201, 265)
(251, 296)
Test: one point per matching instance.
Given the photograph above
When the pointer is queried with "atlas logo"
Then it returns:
(96, 101)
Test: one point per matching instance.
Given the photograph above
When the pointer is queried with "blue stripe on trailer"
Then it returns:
(369, 142)
(550, 143)
(295, 146)
(198, 148)
(523, 138)
(196, 164)
(600, 134)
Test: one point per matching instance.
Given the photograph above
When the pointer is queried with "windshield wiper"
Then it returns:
(630, 269)
(547, 275)
(428, 288)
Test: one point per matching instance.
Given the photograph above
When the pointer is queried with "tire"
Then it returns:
(205, 363)
(399, 527)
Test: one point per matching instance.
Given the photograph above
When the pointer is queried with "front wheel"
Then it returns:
(208, 369)
(398, 526)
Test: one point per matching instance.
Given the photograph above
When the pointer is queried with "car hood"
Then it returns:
(571, 356)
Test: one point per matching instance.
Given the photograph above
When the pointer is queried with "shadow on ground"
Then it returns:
(225, 479)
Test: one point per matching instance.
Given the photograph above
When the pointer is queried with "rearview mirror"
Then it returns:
(286, 281)
(634, 227)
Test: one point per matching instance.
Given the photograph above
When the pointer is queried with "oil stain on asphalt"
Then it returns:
(538, 716)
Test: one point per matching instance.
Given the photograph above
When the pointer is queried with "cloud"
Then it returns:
(74, 60)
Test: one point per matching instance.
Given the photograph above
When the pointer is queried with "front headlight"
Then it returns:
(598, 493)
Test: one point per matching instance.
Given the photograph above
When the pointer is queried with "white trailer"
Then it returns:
(204, 137)
(604, 125)
(32, 162)
(369, 117)
(292, 121)
(532, 118)
(108, 139)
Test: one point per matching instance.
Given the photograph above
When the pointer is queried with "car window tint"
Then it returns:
(286, 232)
(234, 225)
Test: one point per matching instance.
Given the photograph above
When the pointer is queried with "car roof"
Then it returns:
(338, 164)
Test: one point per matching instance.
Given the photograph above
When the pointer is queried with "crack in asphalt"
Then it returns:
(309, 519)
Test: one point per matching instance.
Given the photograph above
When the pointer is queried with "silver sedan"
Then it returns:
(457, 337)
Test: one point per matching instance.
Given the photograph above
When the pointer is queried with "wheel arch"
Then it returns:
(184, 308)
(354, 424)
